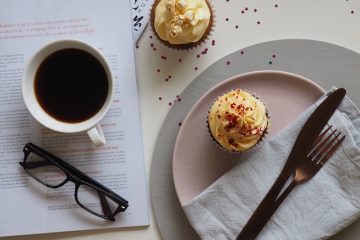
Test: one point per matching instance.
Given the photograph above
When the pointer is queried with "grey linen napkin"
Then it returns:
(317, 209)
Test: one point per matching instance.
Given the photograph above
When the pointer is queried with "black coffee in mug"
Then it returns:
(71, 85)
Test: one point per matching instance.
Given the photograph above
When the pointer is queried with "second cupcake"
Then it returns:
(181, 24)
(238, 120)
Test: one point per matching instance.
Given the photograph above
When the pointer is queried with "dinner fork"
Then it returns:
(323, 148)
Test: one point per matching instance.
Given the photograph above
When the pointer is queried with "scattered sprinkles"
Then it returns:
(204, 51)
(197, 55)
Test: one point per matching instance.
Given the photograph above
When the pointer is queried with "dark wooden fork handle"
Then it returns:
(253, 231)
(265, 204)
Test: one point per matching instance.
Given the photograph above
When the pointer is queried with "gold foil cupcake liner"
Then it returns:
(262, 138)
(187, 46)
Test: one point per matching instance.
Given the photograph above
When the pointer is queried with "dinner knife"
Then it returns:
(309, 132)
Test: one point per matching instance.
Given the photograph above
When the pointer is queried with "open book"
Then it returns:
(26, 206)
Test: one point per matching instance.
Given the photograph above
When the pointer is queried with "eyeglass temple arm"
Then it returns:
(75, 171)
(31, 165)
(105, 206)
(123, 202)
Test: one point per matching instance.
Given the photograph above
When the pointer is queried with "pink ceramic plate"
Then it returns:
(198, 162)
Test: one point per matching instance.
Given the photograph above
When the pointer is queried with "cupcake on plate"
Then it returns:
(238, 120)
(181, 24)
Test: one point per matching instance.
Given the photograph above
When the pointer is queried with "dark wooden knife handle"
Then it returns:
(265, 204)
(254, 230)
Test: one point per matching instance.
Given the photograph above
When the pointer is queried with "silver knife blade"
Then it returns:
(303, 143)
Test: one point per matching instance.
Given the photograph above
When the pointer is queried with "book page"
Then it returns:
(27, 206)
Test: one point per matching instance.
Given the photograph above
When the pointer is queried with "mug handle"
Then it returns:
(97, 136)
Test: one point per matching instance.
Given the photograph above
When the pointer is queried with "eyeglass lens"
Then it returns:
(89, 198)
(44, 171)
(95, 201)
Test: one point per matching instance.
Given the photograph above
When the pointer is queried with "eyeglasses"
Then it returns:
(89, 193)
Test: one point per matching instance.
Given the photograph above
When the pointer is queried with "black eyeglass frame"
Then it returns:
(77, 177)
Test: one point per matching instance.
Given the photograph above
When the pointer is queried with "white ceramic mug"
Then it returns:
(91, 125)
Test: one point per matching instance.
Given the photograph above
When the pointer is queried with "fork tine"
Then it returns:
(322, 135)
(319, 146)
(332, 150)
(326, 145)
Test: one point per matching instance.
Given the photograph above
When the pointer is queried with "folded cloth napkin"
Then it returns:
(316, 209)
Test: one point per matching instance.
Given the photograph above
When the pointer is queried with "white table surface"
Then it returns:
(331, 21)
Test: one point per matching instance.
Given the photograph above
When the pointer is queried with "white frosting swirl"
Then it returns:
(181, 21)
(237, 120)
